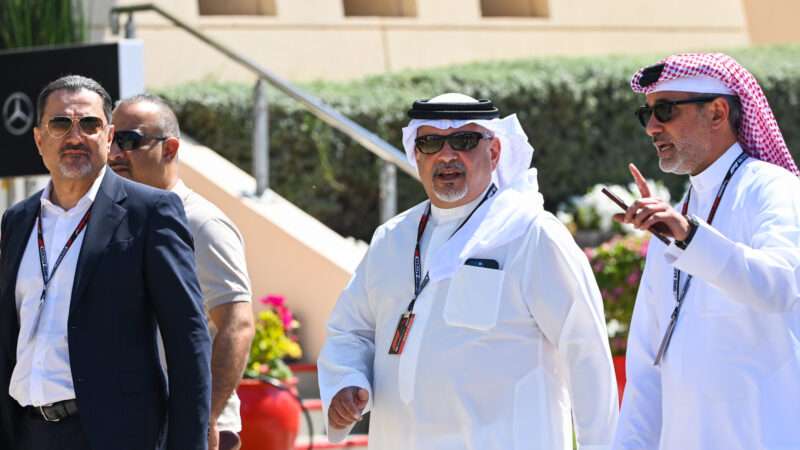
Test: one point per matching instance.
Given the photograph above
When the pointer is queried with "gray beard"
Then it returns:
(451, 195)
(73, 172)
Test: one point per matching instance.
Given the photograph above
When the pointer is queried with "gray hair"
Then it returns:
(73, 83)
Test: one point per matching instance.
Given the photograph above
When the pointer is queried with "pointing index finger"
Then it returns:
(641, 183)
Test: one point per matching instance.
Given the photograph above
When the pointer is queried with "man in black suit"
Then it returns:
(89, 268)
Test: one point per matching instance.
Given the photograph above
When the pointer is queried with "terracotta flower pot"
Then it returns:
(270, 416)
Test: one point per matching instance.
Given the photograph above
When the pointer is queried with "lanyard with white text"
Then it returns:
(407, 318)
(679, 294)
(47, 275)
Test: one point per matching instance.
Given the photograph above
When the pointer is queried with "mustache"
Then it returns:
(660, 137)
(452, 165)
(73, 147)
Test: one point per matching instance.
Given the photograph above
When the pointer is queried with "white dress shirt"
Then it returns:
(497, 359)
(42, 374)
(730, 378)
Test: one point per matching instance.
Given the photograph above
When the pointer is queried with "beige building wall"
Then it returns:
(288, 252)
(773, 21)
(317, 39)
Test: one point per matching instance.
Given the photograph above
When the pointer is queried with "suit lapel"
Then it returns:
(17, 240)
(106, 216)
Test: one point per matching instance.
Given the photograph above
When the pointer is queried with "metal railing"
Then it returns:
(391, 157)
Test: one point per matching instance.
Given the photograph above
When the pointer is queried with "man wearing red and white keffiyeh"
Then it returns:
(713, 356)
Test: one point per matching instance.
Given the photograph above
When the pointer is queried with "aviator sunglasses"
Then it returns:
(462, 141)
(128, 140)
(663, 110)
(60, 126)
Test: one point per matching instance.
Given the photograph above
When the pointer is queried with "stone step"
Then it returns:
(306, 374)
(314, 407)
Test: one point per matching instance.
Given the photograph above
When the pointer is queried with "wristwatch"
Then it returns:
(693, 225)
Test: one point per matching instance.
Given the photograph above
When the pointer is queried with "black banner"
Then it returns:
(23, 74)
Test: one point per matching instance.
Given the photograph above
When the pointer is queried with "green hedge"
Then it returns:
(578, 113)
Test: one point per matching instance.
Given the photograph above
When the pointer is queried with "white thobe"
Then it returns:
(495, 360)
(731, 375)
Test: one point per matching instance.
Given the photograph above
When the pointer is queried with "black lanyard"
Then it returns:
(419, 282)
(47, 275)
(680, 294)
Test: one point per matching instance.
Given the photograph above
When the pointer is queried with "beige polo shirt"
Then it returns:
(221, 269)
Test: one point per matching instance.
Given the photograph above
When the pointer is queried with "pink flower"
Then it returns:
(278, 304)
(633, 278)
(286, 318)
(273, 300)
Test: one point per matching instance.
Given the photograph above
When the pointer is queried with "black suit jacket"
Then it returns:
(135, 270)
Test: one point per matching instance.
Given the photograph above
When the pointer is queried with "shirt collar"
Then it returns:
(83, 203)
(715, 173)
(445, 215)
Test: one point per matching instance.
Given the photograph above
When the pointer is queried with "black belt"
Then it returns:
(54, 413)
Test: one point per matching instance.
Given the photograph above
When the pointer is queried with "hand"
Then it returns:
(346, 406)
(213, 436)
(653, 213)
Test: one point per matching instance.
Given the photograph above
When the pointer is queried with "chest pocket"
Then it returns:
(473, 298)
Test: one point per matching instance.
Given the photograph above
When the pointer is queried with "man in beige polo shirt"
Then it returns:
(145, 149)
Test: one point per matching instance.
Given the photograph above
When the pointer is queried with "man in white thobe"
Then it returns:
(505, 347)
(728, 374)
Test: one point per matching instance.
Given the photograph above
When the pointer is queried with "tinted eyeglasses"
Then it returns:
(462, 141)
(663, 110)
(60, 126)
(128, 140)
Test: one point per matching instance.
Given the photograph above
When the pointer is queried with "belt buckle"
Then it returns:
(44, 414)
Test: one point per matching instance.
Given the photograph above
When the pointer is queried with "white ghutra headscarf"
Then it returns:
(515, 150)
(505, 216)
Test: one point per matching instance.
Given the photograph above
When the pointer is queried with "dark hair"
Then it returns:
(734, 109)
(73, 83)
(735, 112)
(167, 121)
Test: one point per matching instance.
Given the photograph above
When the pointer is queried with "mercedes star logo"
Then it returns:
(18, 113)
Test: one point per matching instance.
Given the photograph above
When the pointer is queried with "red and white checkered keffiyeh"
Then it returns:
(759, 134)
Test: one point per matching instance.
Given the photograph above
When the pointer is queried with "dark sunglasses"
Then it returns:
(462, 141)
(60, 126)
(663, 109)
(128, 140)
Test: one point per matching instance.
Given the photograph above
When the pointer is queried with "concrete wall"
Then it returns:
(773, 21)
(288, 252)
(314, 39)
